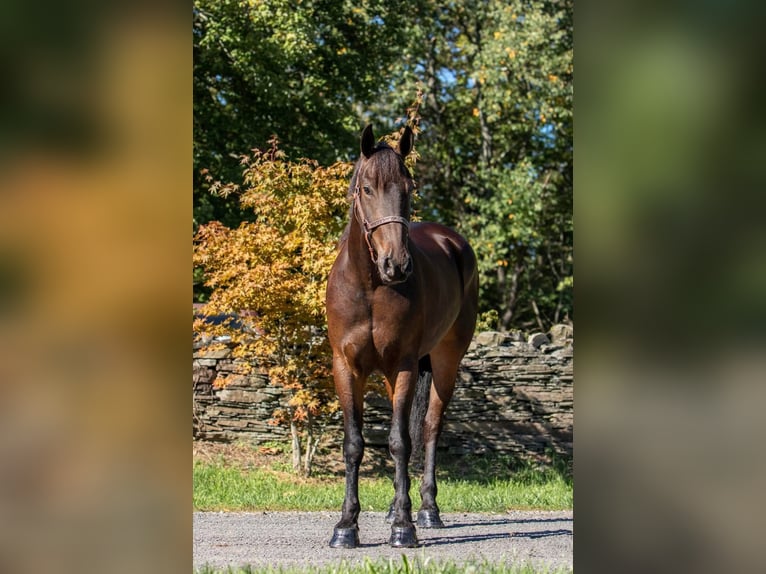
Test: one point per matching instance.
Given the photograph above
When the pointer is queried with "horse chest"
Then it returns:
(391, 323)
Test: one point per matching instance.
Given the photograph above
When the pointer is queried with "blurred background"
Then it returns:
(670, 281)
(95, 141)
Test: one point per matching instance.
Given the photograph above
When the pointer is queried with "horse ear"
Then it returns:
(368, 141)
(405, 142)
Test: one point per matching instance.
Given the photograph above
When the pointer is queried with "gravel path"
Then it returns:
(224, 539)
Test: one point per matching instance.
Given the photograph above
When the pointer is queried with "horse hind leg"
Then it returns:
(418, 412)
(445, 367)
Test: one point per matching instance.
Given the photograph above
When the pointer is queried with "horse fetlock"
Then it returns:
(428, 492)
(350, 513)
(391, 516)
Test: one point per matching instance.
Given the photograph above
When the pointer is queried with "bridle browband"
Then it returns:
(370, 226)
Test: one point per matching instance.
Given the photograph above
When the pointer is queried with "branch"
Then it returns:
(537, 315)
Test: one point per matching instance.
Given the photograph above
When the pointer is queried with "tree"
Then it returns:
(497, 144)
(297, 69)
(496, 118)
(273, 271)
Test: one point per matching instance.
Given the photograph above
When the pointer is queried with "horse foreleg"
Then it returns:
(351, 395)
(400, 446)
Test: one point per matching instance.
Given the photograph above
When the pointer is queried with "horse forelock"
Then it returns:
(390, 162)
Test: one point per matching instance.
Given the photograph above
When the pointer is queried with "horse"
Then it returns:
(401, 299)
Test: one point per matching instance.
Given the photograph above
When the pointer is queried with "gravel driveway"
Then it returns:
(301, 538)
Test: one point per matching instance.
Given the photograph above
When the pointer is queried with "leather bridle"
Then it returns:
(370, 226)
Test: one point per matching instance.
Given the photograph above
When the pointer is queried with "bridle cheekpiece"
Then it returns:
(370, 226)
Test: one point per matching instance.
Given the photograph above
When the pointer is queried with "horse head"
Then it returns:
(381, 196)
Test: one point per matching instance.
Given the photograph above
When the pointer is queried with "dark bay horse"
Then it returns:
(400, 295)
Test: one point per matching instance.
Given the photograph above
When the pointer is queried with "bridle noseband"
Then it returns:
(370, 226)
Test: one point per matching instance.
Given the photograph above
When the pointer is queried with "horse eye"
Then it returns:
(366, 189)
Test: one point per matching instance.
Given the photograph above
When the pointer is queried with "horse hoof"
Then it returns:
(429, 519)
(403, 537)
(345, 538)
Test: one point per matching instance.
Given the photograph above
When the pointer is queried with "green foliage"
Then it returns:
(493, 117)
(497, 143)
(291, 69)
(487, 321)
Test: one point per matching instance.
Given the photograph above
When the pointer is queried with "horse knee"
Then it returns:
(353, 448)
(399, 444)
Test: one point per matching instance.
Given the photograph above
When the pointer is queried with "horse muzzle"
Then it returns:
(394, 270)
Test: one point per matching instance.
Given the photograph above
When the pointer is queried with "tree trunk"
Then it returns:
(486, 134)
(537, 315)
(296, 444)
(512, 290)
(310, 448)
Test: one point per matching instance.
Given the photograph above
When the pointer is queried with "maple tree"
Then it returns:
(272, 273)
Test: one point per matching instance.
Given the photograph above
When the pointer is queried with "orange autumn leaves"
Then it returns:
(271, 272)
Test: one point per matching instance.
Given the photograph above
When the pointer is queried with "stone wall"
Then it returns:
(514, 394)
(239, 411)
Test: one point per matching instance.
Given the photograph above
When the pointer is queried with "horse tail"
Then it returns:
(418, 411)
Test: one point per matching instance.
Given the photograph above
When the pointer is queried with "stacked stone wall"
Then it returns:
(514, 394)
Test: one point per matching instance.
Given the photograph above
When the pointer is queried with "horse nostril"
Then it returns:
(395, 270)
(388, 266)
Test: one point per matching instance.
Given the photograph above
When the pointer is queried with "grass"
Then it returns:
(466, 484)
(391, 566)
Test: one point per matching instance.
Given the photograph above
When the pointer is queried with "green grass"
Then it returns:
(220, 488)
(391, 566)
(491, 485)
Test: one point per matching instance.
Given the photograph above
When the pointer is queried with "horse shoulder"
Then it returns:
(444, 247)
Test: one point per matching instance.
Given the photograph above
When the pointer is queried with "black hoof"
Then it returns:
(403, 537)
(345, 538)
(429, 519)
